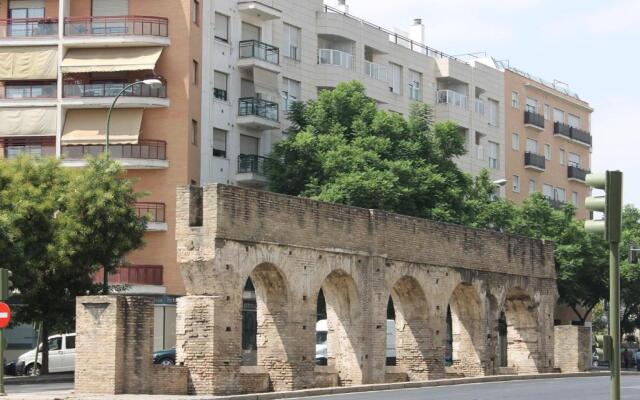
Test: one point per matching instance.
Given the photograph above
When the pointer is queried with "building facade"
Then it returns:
(548, 140)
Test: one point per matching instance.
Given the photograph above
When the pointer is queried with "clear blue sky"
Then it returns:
(590, 44)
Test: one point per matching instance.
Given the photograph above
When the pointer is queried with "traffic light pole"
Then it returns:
(614, 318)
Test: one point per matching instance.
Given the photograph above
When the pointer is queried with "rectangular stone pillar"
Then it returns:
(572, 348)
(114, 345)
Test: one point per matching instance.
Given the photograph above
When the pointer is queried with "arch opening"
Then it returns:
(522, 336)
(465, 339)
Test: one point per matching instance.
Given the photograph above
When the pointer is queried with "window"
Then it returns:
(573, 121)
(532, 186)
(574, 199)
(249, 145)
(515, 141)
(194, 72)
(494, 107)
(560, 194)
(547, 191)
(494, 155)
(575, 160)
(220, 84)
(562, 156)
(558, 115)
(55, 344)
(547, 152)
(532, 146)
(547, 112)
(219, 143)
(290, 93)
(251, 32)
(515, 100)
(195, 12)
(292, 36)
(221, 30)
(194, 132)
(70, 342)
(22, 11)
(415, 85)
(396, 78)
(532, 105)
(516, 184)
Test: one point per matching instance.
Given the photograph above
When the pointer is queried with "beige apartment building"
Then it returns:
(548, 141)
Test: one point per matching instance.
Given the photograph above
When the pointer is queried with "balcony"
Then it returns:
(377, 71)
(556, 203)
(36, 147)
(27, 31)
(146, 155)
(135, 275)
(258, 114)
(576, 174)
(534, 161)
(259, 10)
(101, 94)
(251, 170)
(560, 129)
(28, 94)
(533, 120)
(452, 98)
(254, 53)
(116, 31)
(581, 136)
(336, 58)
(156, 214)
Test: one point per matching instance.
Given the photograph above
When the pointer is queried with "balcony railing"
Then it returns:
(561, 129)
(577, 173)
(36, 147)
(259, 50)
(155, 211)
(377, 71)
(535, 160)
(112, 89)
(143, 150)
(29, 91)
(531, 118)
(335, 57)
(251, 106)
(251, 163)
(220, 94)
(581, 136)
(128, 25)
(555, 203)
(453, 98)
(133, 275)
(28, 28)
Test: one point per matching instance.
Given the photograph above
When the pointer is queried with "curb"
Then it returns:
(34, 380)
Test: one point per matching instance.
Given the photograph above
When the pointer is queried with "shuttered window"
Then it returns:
(105, 8)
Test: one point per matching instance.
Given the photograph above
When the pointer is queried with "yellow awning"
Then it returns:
(28, 121)
(87, 127)
(111, 59)
(28, 63)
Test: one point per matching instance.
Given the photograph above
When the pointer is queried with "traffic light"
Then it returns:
(5, 283)
(604, 347)
(610, 204)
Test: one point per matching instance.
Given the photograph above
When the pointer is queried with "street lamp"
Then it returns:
(152, 83)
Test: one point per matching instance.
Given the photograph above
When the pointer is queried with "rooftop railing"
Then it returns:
(127, 25)
(259, 50)
(17, 28)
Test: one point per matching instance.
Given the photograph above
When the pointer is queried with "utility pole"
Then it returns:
(611, 227)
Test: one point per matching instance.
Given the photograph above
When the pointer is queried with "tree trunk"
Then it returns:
(44, 369)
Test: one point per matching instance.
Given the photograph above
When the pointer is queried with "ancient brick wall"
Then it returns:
(573, 348)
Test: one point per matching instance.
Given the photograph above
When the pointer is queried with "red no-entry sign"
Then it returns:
(5, 315)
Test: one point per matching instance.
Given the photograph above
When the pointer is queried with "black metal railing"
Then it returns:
(249, 106)
(260, 51)
(155, 211)
(555, 203)
(116, 26)
(47, 90)
(535, 160)
(220, 94)
(561, 129)
(112, 89)
(36, 147)
(143, 150)
(577, 173)
(251, 163)
(532, 118)
(581, 136)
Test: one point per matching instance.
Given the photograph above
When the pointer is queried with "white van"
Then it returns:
(62, 356)
(321, 342)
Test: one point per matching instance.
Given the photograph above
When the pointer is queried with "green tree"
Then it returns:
(57, 228)
(630, 273)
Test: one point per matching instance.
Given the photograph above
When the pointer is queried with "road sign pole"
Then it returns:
(614, 318)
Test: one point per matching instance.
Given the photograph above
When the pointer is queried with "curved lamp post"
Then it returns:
(153, 84)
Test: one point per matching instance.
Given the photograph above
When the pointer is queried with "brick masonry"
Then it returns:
(573, 348)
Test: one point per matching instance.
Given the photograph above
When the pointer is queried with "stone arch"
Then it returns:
(274, 346)
(415, 353)
(466, 331)
(523, 353)
(344, 327)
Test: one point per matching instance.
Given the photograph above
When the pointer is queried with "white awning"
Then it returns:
(111, 59)
(28, 63)
(28, 121)
(87, 127)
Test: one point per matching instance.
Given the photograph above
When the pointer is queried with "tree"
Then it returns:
(630, 273)
(343, 149)
(57, 228)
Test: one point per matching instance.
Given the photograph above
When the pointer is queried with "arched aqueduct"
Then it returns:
(454, 290)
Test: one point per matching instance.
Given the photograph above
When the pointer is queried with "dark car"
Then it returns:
(165, 357)
(10, 368)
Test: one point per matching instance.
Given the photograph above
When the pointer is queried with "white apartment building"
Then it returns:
(258, 56)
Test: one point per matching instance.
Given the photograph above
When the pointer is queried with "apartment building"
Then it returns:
(259, 57)
(62, 62)
(548, 139)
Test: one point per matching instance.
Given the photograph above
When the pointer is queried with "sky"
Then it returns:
(593, 45)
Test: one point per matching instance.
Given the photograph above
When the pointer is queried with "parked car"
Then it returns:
(165, 357)
(62, 356)
(321, 342)
(10, 368)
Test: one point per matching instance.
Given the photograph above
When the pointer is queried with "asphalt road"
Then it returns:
(38, 388)
(553, 389)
